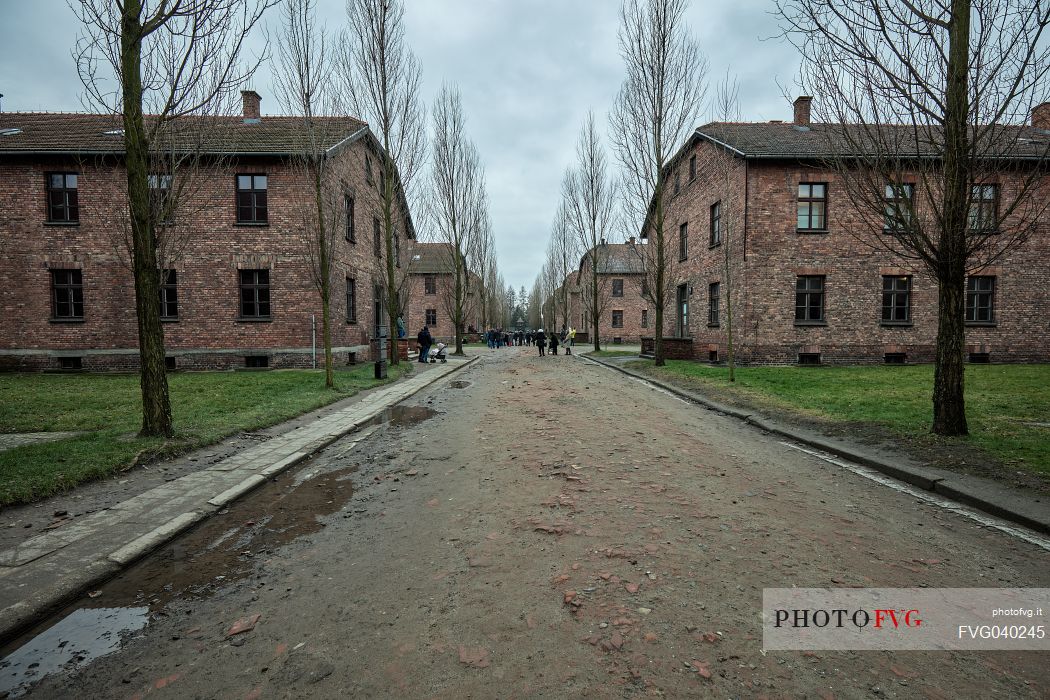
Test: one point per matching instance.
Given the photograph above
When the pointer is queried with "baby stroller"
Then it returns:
(439, 353)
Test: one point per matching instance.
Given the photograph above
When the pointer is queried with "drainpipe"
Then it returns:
(313, 340)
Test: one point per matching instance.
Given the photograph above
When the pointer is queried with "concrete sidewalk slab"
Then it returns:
(45, 571)
(993, 498)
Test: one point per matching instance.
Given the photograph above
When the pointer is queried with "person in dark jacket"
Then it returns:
(554, 342)
(541, 340)
(425, 340)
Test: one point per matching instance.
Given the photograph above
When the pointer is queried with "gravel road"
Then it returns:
(547, 528)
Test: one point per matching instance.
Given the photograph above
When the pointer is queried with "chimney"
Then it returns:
(251, 99)
(802, 110)
(1041, 116)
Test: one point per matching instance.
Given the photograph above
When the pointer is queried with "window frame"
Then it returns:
(613, 316)
(973, 295)
(70, 204)
(617, 287)
(351, 300)
(377, 238)
(429, 285)
(808, 292)
(677, 181)
(348, 211)
(810, 201)
(645, 318)
(160, 197)
(890, 199)
(69, 292)
(256, 287)
(716, 225)
(980, 205)
(253, 195)
(692, 167)
(430, 317)
(169, 295)
(683, 241)
(890, 300)
(714, 299)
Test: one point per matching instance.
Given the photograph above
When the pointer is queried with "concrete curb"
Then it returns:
(59, 591)
(995, 499)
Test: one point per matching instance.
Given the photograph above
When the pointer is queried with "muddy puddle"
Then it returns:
(222, 550)
(403, 416)
(458, 384)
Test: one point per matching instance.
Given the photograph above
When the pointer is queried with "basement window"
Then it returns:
(809, 359)
(712, 356)
(71, 362)
(980, 358)
(169, 363)
(256, 361)
(617, 340)
(895, 358)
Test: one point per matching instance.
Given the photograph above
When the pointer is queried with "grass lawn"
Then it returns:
(207, 407)
(610, 353)
(1008, 406)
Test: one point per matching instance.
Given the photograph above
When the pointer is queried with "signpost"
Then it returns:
(382, 332)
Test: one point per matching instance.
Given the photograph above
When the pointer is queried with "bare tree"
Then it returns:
(458, 200)
(175, 60)
(382, 80)
(922, 102)
(589, 197)
(562, 258)
(305, 88)
(535, 303)
(727, 215)
(656, 108)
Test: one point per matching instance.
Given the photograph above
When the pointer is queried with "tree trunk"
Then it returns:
(326, 334)
(949, 406)
(594, 302)
(324, 262)
(153, 378)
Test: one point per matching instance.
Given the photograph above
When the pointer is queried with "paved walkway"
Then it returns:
(44, 571)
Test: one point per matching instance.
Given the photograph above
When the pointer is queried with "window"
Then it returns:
(713, 293)
(256, 361)
(160, 198)
(677, 182)
(809, 358)
(617, 319)
(169, 295)
(377, 238)
(980, 300)
(432, 317)
(351, 300)
(169, 363)
(900, 203)
(895, 358)
(896, 300)
(712, 356)
(812, 206)
(348, 206)
(645, 318)
(645, 287)
(617, 288)
(683, 242)
(369, 177)
(692, 167)
(984, 208)
(67, 295)
(716, 223)
(979, 358)
(429, 284)
(251, 199)
(255, 293)
(809, 299)
(71, 363)
(62, 203)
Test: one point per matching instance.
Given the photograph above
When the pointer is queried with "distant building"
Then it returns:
(624, 312)
(238, 291)
(431, 286)
(805, 290)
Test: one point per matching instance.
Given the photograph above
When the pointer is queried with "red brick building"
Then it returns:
(804, 288)
(624, 312)
(238, 288)
(431, 286)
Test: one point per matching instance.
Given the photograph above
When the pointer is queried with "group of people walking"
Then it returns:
(566, 339)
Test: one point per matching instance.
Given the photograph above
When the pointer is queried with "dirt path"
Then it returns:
(555, 530)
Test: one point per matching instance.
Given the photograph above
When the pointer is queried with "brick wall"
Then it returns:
(441, 302)
(767, 257)
(209, 332)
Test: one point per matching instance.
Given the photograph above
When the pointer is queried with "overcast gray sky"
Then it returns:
(528, 71)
